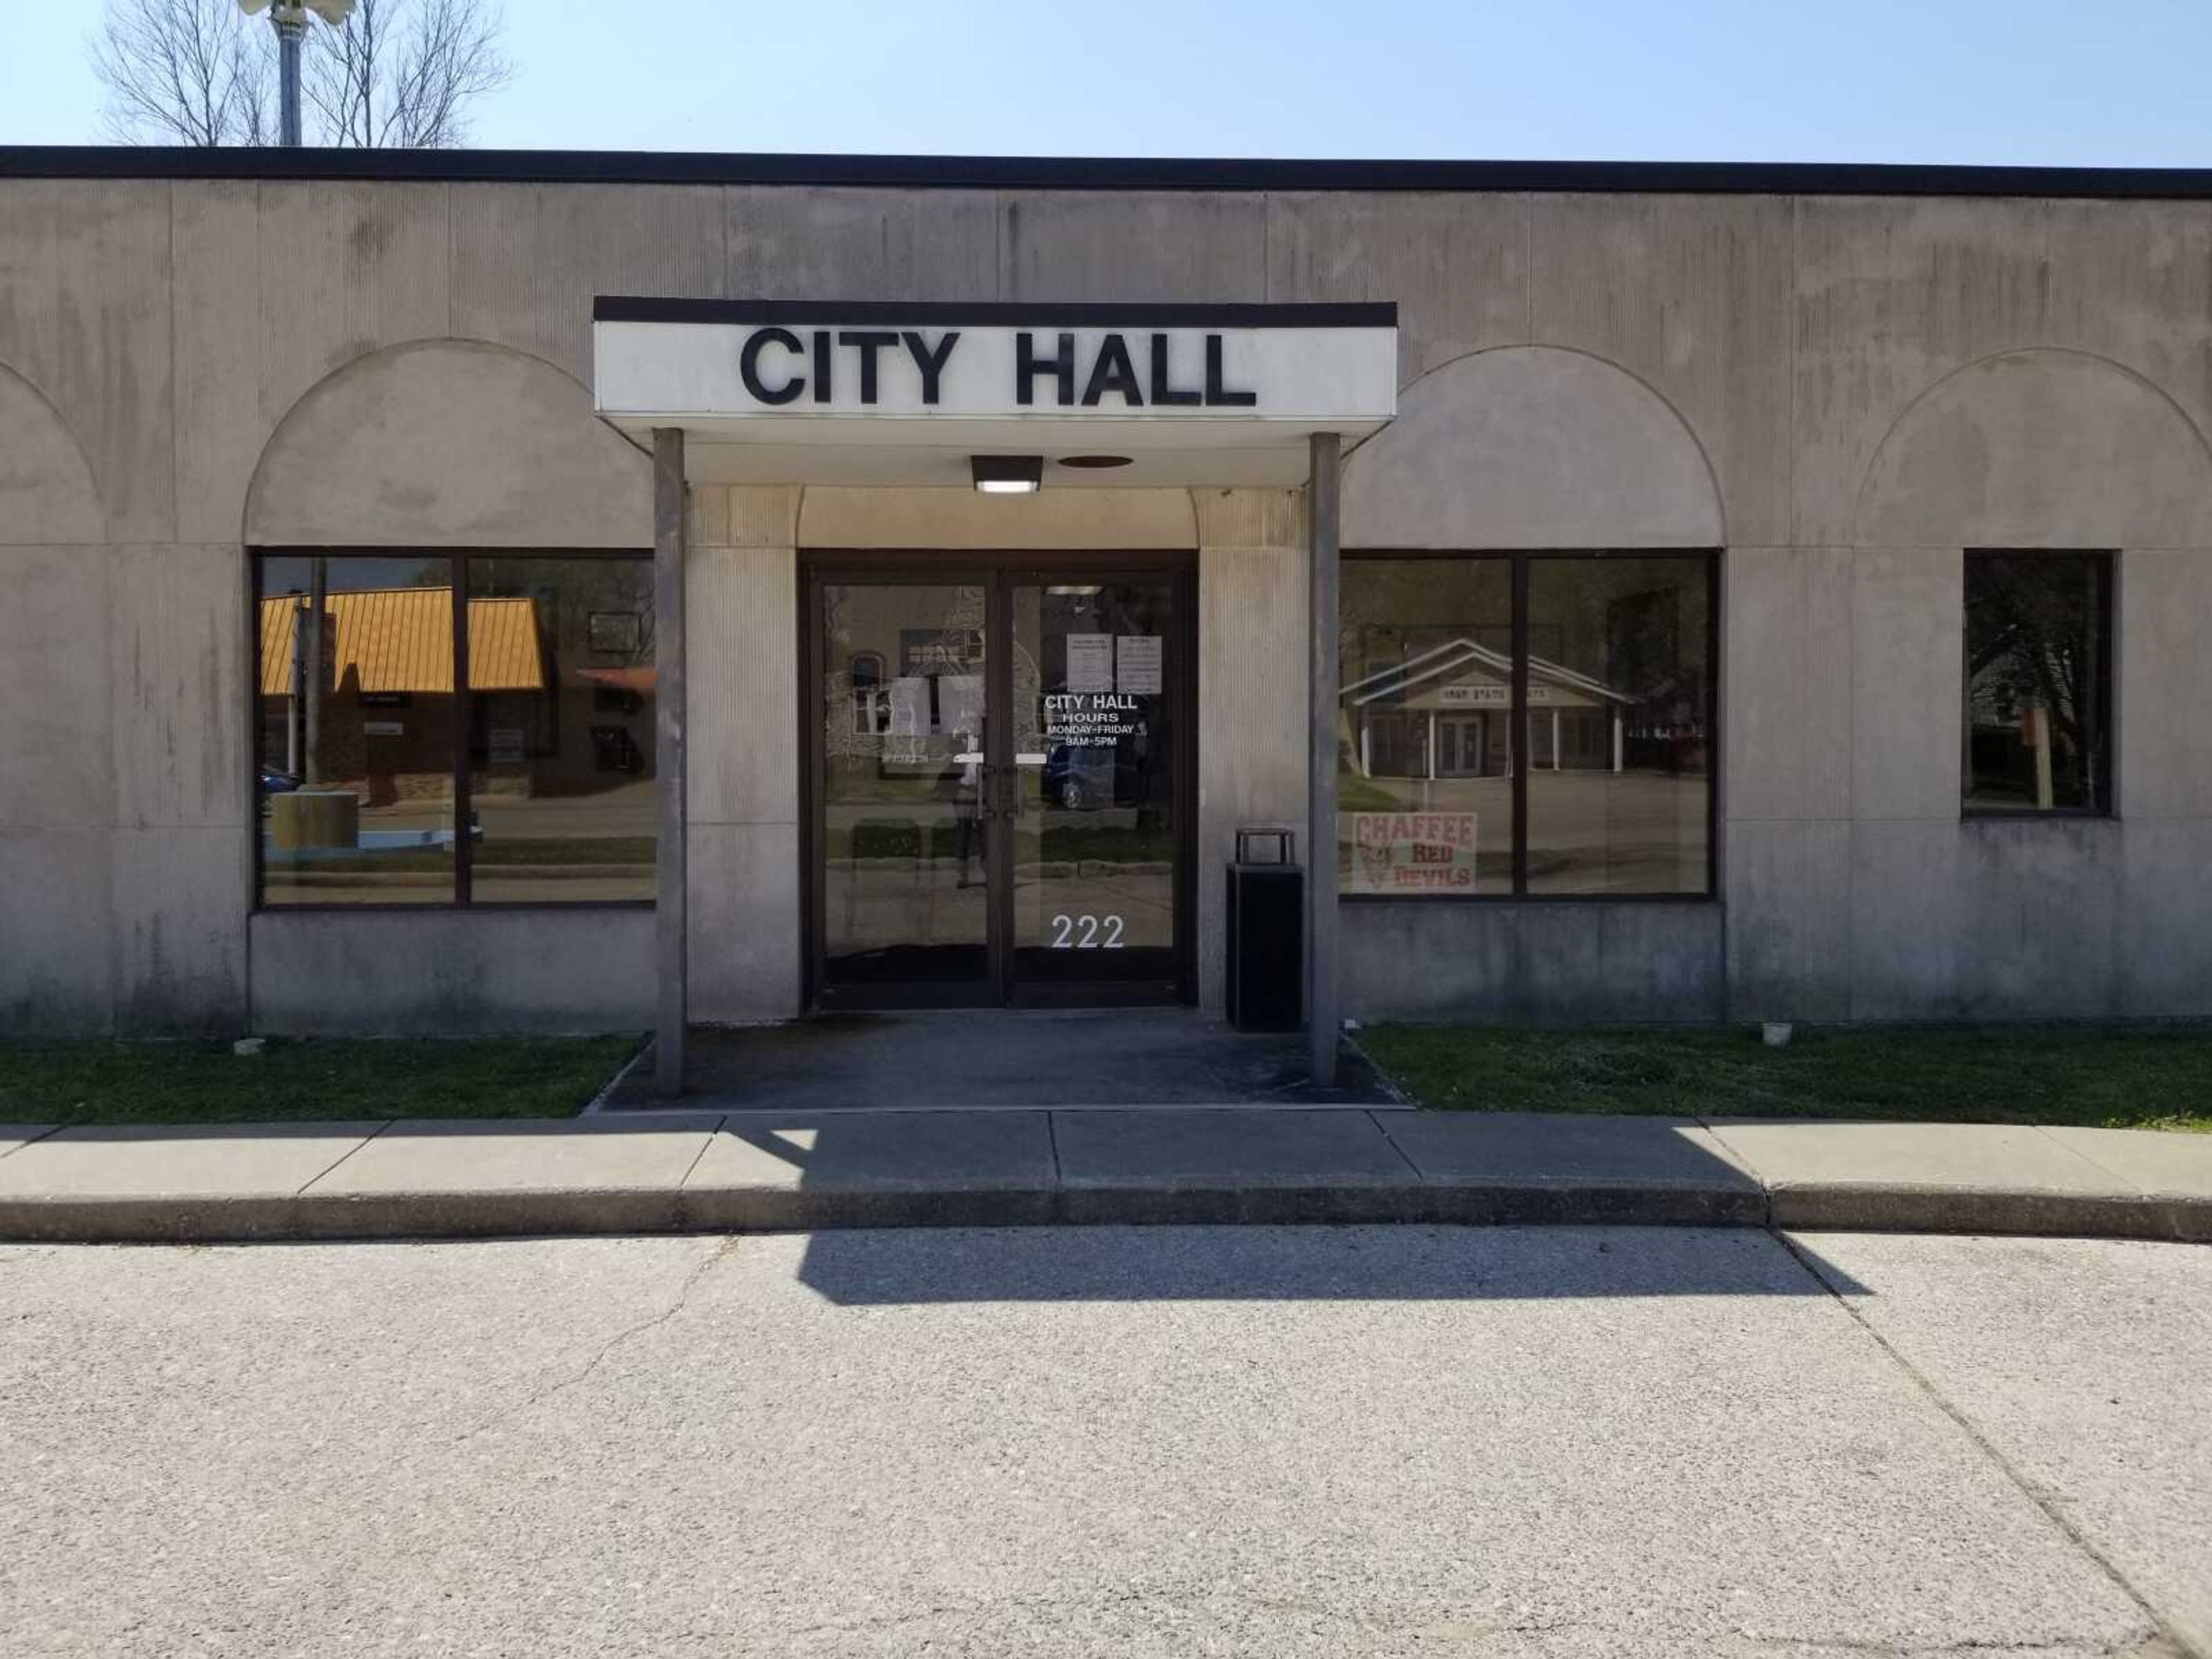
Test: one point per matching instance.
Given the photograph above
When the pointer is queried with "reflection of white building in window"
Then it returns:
(1447, 713)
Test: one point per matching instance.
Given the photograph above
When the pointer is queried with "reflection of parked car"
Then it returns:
(267, 782)
(1083, 780)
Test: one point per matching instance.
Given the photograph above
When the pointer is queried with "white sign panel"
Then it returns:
(910, 706)
(1340, 377)
(960, 703)
(1137, 664)
(1412, 853)
(1090, 662)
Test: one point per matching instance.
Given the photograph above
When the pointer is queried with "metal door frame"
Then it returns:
(998, 571)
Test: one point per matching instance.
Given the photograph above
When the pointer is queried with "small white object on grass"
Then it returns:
(249, 1045)
(1776, 1032)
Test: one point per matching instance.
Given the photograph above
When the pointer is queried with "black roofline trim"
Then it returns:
(646, 308)
(1087, 172)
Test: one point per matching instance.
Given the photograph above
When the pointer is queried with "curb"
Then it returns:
(2023, 1213)
(586, 1211)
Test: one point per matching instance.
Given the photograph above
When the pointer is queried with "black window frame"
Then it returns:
(1518, 561)
(458, 560)
(2104, 778)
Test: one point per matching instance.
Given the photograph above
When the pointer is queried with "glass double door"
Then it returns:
(1000, 802)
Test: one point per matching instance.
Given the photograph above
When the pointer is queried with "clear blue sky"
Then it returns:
(2123, 82)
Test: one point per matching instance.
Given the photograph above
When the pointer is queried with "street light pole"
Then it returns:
(289, 19)
(291, 28)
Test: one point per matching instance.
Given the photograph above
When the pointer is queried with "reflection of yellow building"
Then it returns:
(401, 639)
(386, 648)
(1447, 713)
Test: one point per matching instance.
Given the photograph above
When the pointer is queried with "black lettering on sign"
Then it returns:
(1113, 372)
(1162, 392)
(822, 345)
(748, 366)
(1216, 393)
(931, 361)
(868, 342)
(1028, 365)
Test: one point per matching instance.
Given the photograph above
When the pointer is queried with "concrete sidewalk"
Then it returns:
(748, 1171)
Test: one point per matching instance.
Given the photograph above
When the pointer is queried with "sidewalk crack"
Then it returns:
(2123, 1182)
(51, 1129)
(344, 1156)
(1390, 1140)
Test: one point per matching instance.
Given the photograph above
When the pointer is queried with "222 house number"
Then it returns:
(1086, 932)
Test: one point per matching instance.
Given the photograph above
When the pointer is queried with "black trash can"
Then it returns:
(1267, 934)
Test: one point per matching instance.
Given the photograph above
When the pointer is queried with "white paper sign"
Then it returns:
(1137, 664)
(1090, 662)
(960, 703)
(910, 706)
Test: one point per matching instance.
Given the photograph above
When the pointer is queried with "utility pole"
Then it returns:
(289, 19)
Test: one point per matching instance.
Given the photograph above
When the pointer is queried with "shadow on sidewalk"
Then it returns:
(998, 1057)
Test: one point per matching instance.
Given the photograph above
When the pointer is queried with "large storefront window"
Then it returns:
(1538, 724)
(413, 753)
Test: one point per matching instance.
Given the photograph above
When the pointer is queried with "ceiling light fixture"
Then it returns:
(1006, 475)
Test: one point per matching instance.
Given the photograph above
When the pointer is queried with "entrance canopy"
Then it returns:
(893, 394)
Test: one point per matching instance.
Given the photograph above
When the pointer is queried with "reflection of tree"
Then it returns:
(2032, 643)
(576, 588)
(1391, 611)
(1640, 624)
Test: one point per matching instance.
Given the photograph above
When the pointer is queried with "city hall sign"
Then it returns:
(1102, 366)
(802, 360)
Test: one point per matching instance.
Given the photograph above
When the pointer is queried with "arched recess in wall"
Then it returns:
(2040, 448)
(46, 490)
(1531, 446)
(448, 443)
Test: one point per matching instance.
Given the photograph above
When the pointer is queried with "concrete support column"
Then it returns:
(671, 903)
(1324, 483)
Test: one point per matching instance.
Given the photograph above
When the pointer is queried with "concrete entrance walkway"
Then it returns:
(991, 1057)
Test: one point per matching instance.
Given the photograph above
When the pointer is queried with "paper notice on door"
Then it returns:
(910, 706)
(960, 703)
(1137, 664)
(1090, 662)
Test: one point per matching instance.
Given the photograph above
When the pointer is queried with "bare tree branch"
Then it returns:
(404, 73)
(399, 73)
(171, 70)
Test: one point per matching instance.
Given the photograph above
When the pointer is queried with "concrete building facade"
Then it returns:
(1833, 388)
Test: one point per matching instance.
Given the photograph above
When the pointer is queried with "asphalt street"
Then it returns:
(1338, 1441)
